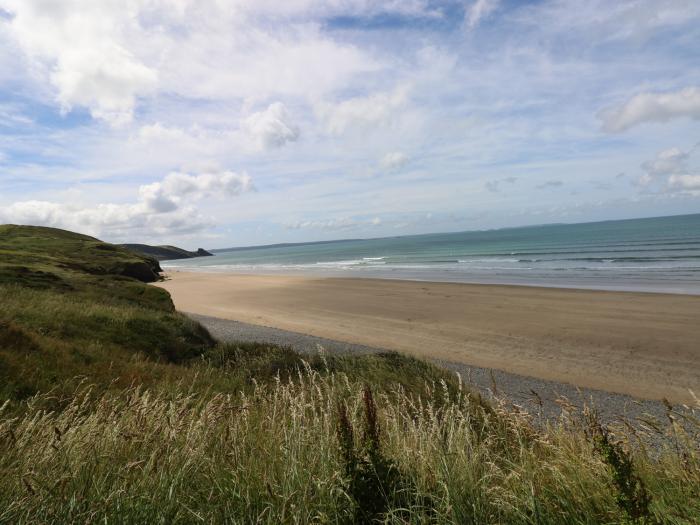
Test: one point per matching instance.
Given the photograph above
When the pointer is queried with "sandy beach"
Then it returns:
(641, 344)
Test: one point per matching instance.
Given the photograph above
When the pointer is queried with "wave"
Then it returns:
(490, 259)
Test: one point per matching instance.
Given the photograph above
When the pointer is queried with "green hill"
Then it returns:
(165, 252)
(73, 305)
(27, 249)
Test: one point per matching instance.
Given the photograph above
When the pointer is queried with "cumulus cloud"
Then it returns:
(114, 221)
(668, 161)
(81, 45)
(169, 193)
(107, 81)
(478, 11)
(106, 56)
(652, 107)
(362, 113)
(271, 128)
(670, 170)
(393, 161)
(162, 208)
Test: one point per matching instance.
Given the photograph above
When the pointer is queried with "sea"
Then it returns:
(660, 254)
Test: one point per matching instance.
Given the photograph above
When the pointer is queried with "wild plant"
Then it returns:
(376, 484)
(630, 492)
(319, 447)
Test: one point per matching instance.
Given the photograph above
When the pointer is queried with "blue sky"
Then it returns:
(221, 123)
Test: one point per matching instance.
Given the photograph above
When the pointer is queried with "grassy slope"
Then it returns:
(62, 253)
(149, 420)
(74, 306)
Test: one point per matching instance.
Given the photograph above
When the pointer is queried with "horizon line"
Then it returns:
(351, 239)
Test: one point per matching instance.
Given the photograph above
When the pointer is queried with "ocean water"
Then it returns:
(656, 254)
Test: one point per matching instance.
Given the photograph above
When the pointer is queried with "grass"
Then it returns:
(273, 454)
(75, 306)
(43, 257)
(117, 409)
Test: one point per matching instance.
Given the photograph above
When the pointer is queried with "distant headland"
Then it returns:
(165, 253)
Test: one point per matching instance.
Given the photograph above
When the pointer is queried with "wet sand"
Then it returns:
(645, 345)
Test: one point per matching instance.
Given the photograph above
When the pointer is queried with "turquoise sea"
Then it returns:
(655, 254)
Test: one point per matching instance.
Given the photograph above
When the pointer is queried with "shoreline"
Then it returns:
(641, 286)
(636, 343)
(540, 398)
(655, 288)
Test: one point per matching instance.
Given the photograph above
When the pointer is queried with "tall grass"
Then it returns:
(301, 450)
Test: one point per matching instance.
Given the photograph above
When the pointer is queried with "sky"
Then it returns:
(220, 123)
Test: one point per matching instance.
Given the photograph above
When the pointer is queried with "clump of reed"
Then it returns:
(319, 447)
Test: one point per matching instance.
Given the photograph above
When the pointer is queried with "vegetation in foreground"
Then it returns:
(117, 409)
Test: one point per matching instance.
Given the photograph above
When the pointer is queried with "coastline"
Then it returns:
(542, 399)
(640, 344)
(676, 287)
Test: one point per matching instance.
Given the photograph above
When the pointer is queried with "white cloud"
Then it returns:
(478, 11)
(82, 47)
(668, 161)
(325, 8)
(342, 223)
(159, 143)
(670, 170)
(168, 194)
(271, 128)
(162, 208)
(157, 132)
(115, 221)
(105, 56)
(235, 60)
(652, 107)
(107, 81)
(362, 113)
(684, 182)
(257, 50)
(393, 161)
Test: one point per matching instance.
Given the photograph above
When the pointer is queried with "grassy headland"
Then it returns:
(117, 409)
(73, 306)
(165, 252)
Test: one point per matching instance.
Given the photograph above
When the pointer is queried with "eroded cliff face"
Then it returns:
(147, 271)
